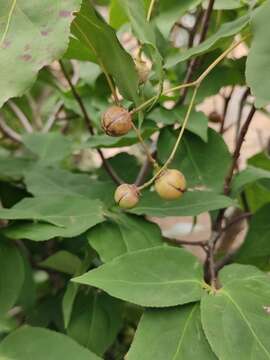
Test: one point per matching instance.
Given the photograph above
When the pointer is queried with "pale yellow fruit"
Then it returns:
(127, 196)
(116, 121)
(171, 184)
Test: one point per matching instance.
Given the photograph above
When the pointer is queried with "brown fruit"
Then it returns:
(170, 184)
(126, 196)
(143, 70)
(116, 121)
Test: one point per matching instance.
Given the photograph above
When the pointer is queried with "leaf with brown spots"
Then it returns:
(32, 35)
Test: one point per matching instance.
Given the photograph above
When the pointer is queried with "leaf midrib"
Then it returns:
(152, 283)
(181, 207)
(226, 293)
(187, 322)
(12, 8)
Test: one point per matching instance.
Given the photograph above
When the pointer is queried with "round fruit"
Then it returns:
(116, 121)
(170, 184)
(127, 196)
(143, 70)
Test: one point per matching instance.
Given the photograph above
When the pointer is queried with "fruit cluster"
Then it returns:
(170, 184)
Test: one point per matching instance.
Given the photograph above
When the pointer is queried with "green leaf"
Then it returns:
(68, 301)
(171, 11)
(59, 211)
(118, 16)
(97, 35)
(260, 160)
(228, 4)
(95, 314)
(28, 294)
(128, 172)
(257, 195)
(198, 122)
(236, 318)
(29, 343)
(42, 181)
(203, 164)
(105, 141)
(256, 245)
(77, 50)
(136, 14)
(247, 176)
(123, 234)
(67, 216)
(226, 30)
(11, 276)
(258, 65)
(12, 168)
(49, 148)
(62, 261)
(171, 334)
(191, 204)
(31, 37)
(72, 288)
(155, 277)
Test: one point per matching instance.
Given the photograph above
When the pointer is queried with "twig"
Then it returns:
(143, 172)
(193, 64)
(88, 123)
(209, 265)
(240, 112)
(52, 118)
(147, 152)
(217, 226)
(195, 28)
(202, 243)
(227, 100)
(236, 220)
(206, 20)
(35, 111)
(182, 26)
(227, 259)
(21, 116)
(10, 133)
(237, 150)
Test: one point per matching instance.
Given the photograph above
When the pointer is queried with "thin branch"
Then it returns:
(88, 123)
(35, 111)
(53, 117)
(217, 226)
(237, 150)
(143, 172)
(194, 63)
(195, 28)
(8, 132)
(206, 20)
(182, 26)
(210, 276)
(202, 243)
(146, 150)
(240, 112)
(236, 220)
(227, 100)
(227, 259)
(21, 116)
